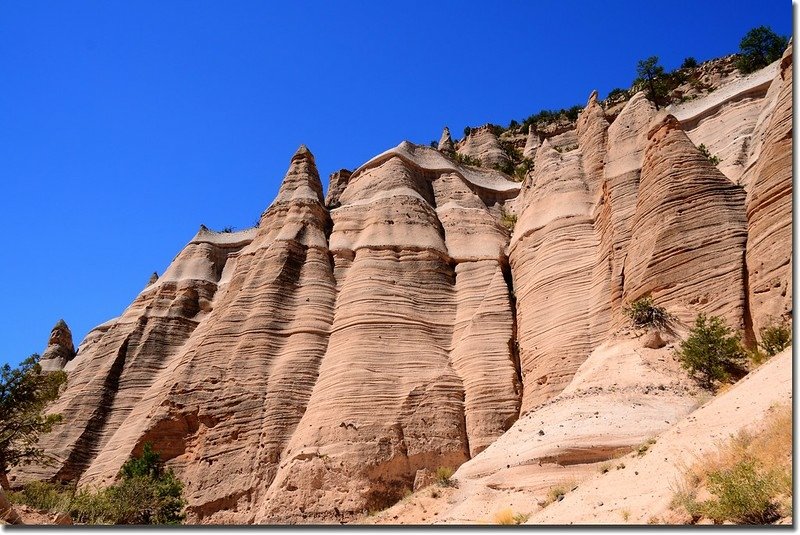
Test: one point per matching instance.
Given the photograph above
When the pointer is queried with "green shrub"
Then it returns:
(496, 129)
(644, 313)
(775, 338)
(742, 494)
(705, 152)
(145, 494)
(712, 352)
(464, 159)
(510, 150)
(758, 48)
(506, 167)
(508, 220)
(522, 169)
(467, 131)
(617, 93)
(444, 476)
(689, 63)
(573, 112)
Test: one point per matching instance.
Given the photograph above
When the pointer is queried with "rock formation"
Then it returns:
(60, 349)
(482, 144)
(769, 213)
(336, 185)
(446, 142)
(425, 314)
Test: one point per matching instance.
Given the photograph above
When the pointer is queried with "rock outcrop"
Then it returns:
(688, 255)
(446, 142)
(60, 349)
(425, 314)
(769, 214)
(482, 144)
(337, 182)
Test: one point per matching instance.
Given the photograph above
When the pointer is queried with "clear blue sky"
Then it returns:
(125, 125)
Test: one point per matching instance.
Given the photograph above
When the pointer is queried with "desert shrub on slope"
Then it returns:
(145, 494)
(712, 352)
(748, 481)
(644, 313)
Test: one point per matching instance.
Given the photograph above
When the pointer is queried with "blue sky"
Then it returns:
(128, 124)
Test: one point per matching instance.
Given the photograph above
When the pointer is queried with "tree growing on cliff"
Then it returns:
(758, 48)
(650, 73)
(24, 393)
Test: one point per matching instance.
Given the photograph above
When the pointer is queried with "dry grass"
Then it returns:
(557, 492)
(748, 480)
(507, 517)
(444, 475)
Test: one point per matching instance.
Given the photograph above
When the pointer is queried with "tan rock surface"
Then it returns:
(645, 487)
(446, 142)
(769, 214)
(325, 362)
(482, 143)
(551, 256)
(337, 182)
(686, 254)
(60, 349)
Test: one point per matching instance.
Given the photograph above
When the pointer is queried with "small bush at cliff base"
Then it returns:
(146, 494)
(444, 475)
(712, 352)
(775, 338)
(644, 313)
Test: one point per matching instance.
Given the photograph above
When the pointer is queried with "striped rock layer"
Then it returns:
(311, 368)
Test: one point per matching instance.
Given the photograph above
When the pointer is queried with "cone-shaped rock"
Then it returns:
(60, 349)
(551, 253)
(446, 142)
(592, 129)
(689, 232)
(531, 143)
(482, 144)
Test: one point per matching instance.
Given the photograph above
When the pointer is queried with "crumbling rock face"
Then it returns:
(319, 365)
(60, 349)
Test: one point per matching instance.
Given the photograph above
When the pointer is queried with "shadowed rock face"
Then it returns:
(313, 367)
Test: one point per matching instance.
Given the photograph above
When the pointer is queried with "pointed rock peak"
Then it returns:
(446, 142)
(60, 348)
(202, 228)
(546, 144)
(302, 178)
(303, 153)
(592, 98)
(667, 123)
(153, 278)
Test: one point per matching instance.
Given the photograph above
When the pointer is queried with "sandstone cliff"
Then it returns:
(427, 314)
